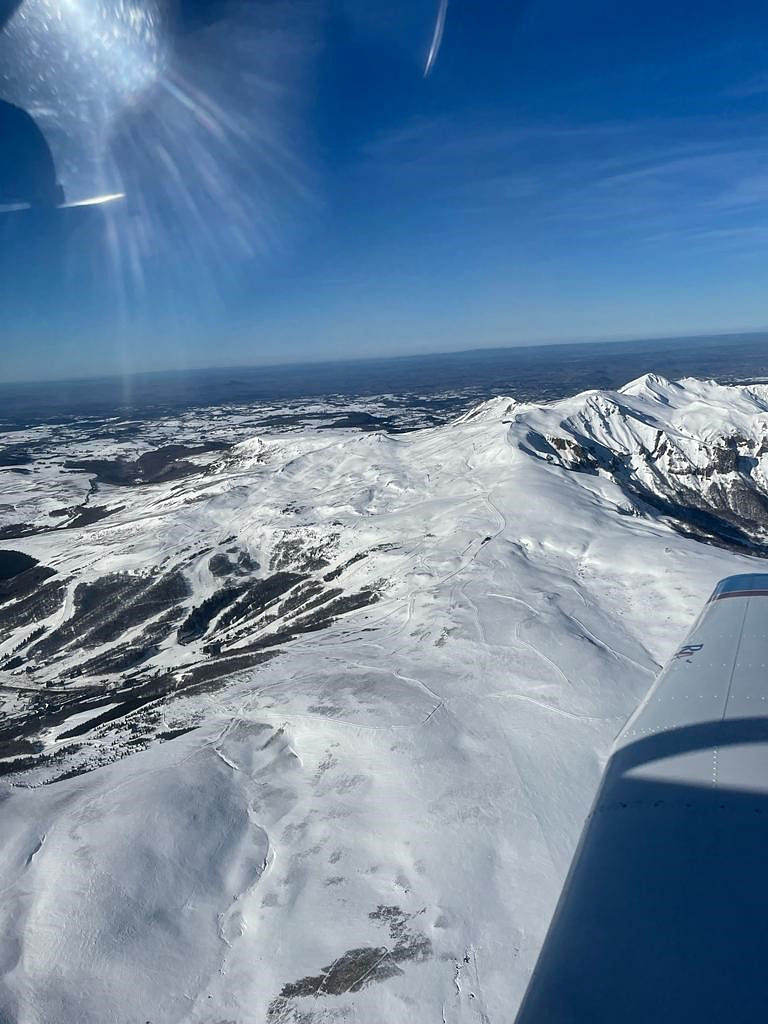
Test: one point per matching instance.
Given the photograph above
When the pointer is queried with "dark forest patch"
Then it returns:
(14, 531)
(123, 657)
(44, 601)
(364, 421)
(14, 562)
(221, 565)
(14, 457)
(24, 583)
(159, 466)
(106, 608)
(90, 514)
(196, 623)
(258, 596)
(49, 708)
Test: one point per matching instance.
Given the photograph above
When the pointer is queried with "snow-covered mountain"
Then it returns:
(693, 451)
(345, 699)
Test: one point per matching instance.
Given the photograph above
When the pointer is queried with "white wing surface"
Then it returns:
(664, 914)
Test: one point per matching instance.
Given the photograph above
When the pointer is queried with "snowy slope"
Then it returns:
(405, 657)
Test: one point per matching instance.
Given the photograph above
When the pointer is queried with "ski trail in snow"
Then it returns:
(33, 853)
(619, 655)
(546, 707)
(412, 679)
(433, 712)
(518, 626)
(225, 759)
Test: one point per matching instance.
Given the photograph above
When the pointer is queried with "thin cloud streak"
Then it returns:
(606, 179)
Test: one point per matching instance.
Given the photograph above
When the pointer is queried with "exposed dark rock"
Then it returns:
(715, 498)
(357, 968)
(351, 972)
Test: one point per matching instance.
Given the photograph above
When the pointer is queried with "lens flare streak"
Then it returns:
(76, 66)
(94, 200)
(437, 37)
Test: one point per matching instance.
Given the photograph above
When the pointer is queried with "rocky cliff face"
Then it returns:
(693, 452)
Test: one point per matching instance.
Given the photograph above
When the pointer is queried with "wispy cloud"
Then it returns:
(610, 176)
(750, 190)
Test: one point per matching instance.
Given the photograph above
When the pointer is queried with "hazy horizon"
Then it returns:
(726, 336)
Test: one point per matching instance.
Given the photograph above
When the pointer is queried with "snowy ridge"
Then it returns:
(499, 408)
(694, 451)
(402, 660)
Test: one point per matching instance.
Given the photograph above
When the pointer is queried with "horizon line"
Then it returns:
(334, 360)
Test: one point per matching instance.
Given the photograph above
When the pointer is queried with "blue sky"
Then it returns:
(296, 188)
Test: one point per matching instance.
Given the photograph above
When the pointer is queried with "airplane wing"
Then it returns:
(664, 914)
